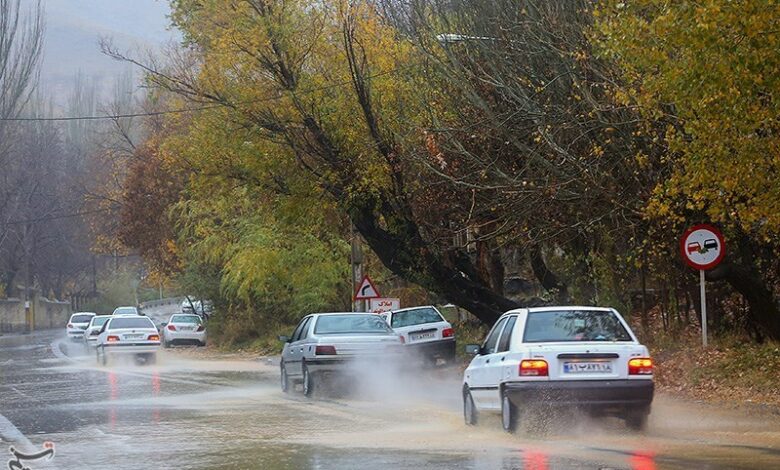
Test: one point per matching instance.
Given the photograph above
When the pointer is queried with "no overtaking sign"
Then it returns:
(702, 247)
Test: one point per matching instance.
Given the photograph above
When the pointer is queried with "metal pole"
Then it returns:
(703, 295)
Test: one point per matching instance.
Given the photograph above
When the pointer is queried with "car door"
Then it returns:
(495, 365)
(293, 352)
(481, 390)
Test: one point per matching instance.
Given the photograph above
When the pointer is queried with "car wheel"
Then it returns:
(309, 383)
(285, 380)
(637, 421)
(202, 344)
(469, 410)
(508, 413)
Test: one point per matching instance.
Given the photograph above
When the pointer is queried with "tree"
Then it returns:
(708, 71)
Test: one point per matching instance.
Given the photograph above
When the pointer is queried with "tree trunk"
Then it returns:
(550, 282)
(404, 252)
(746, 280)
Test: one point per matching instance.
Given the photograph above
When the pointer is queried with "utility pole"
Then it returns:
(357, 267)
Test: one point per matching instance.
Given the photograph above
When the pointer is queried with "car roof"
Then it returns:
(341, 313)
(83, 313)
(553, 308)
(412, 308)
(104, 316)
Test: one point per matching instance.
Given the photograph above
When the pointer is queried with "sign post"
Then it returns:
(702, 247)
(382, 305)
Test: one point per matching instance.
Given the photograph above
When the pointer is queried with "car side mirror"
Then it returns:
(284, 339)
(473, 349)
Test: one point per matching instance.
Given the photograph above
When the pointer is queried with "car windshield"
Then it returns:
(100, 321)
(336, 324)
(119, 323)
(574, 325)
(185, 319)
(81, 318)
(417, 316)
(125, 310)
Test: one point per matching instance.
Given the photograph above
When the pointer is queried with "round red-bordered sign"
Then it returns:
(702, 247)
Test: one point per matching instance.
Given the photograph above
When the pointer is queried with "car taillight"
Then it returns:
(153, 338)
(201, 327)
(171, 327)
(447, 333)
(533, 368)
(325, 350)
(640, 366)
(70, 325)
(112, 339)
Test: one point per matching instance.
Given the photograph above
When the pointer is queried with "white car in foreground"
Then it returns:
(426, 333)
(128, 335)
(77, 323)
(572, 357)
(184, 328)
(93, 329)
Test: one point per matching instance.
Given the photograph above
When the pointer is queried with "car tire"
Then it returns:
(166, 344)
(309, 382)
(509, 413)
(637, 421)
(470, 414)
(202, 344)
(285, 379)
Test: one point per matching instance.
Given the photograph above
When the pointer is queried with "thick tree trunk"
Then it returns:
(550, 282)
(746, 280)
(404, 252)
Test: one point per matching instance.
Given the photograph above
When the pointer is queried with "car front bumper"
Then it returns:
(583, 393)
(441, 349)
(131, 348)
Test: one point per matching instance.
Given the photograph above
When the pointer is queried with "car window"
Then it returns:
(99, 321)
(297, 333)
(81, 318)
(124, 322)
(489, 346)
(105, 326)
(417, 316)
(185, 319)
(574, 325)
(125, 310)
(506, 335)
(305, 328)
(336, 324)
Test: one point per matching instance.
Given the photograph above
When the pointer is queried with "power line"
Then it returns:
(189, 110)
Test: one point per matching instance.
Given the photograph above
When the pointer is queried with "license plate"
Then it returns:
(419, 336)
(587, 367)
(134, 336)
(187, 328)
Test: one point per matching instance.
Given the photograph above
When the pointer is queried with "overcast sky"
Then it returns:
(74, 28)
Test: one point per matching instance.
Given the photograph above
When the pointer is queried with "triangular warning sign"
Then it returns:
(366, 290)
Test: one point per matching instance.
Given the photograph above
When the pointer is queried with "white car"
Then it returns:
(128, 335)
(426, 333)
(572, 357)
(93, 329)
(132, 311)
(184, 328)
(77, 324)
(325, 345)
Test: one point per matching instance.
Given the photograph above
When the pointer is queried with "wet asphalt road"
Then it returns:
(221, 414)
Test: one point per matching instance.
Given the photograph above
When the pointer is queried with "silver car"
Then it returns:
(325, 344)
(77, 324)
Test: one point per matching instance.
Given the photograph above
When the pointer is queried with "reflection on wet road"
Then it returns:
(201, 414)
